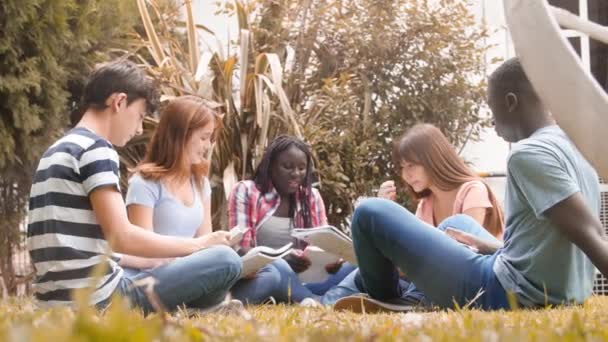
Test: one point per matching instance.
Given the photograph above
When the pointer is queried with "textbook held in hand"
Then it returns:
(330, 239)
(261, 256)
(318, 260)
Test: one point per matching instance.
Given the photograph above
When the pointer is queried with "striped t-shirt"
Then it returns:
(64, 239)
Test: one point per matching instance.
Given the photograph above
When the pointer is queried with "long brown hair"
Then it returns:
(166, 152)
(425, 145)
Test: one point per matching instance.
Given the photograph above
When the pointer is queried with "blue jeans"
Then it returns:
(200, 280)
(352, 284)
(130, 272)
(467, 224)
(332, 280)
(276, 280)
(386, 235)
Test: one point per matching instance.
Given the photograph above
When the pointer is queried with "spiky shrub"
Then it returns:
(244, 85)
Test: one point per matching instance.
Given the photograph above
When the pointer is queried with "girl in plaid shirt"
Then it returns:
(278, 199)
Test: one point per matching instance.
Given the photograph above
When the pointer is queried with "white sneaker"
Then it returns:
(232, 306)
(310, 303)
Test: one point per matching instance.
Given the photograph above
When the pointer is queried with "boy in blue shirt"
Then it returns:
(553, 235)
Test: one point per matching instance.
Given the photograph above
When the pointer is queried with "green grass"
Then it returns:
(20, 321)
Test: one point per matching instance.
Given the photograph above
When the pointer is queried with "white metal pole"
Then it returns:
(571, 21)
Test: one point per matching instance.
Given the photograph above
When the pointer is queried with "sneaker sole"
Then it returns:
(358, 304)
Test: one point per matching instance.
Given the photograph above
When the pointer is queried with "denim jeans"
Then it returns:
(200, 280)
(386, 235)
(352, 284)
(332, 280)
(276, 280)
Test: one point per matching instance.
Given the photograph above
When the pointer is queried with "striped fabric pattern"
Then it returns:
(64, 239)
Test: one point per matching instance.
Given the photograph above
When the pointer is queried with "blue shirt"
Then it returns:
(170, 216)
(538, 263)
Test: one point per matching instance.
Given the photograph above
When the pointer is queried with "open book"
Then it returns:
(319, 259)
(261, 256)
(329, 239)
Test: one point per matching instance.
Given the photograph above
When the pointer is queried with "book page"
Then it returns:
(330, 240)
(269, 251)
(319, 259)
(261, 256)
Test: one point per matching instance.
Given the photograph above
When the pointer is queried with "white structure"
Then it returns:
(489, 154)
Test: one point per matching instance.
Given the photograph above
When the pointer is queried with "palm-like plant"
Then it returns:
(246, 110)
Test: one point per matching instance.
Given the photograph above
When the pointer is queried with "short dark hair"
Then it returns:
(510, 77)
(118, 76)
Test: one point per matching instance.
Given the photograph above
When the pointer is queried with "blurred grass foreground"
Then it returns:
(21, 321)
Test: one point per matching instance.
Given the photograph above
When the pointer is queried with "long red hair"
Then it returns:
(425, 145)
(166, 152)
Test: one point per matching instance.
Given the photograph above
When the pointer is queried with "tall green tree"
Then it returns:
(363, 71)
(353, 74)
(47, 48)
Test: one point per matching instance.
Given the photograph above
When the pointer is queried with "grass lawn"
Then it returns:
(19, 321)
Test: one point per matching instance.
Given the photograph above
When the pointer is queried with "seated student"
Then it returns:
(169, 192)
(441, 182)
(552, 204)
(278, 199)
(77, 215)
(449, 194)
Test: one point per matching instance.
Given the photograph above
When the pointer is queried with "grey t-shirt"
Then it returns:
(171, 216)
(275, 232)
(538, 263)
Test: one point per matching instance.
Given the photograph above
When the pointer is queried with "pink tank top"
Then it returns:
(473, 194)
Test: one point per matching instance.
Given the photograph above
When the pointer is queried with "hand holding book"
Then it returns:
(298, 260)
(473, 242)
(333, 267)
(236, 235)
(329, 239)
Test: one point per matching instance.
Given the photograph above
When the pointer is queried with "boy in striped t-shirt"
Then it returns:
(77, 217)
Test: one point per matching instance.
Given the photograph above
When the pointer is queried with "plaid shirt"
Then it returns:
(248, 207)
